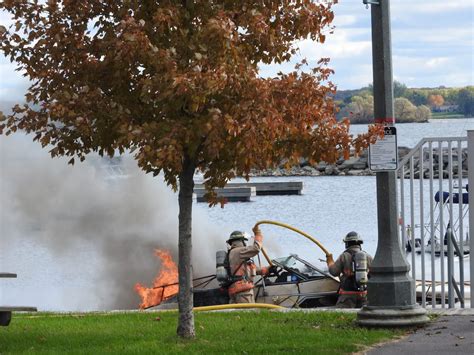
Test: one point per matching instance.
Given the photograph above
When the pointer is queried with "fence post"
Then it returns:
(470, 179)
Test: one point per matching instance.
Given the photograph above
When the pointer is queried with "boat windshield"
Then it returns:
(293, 262)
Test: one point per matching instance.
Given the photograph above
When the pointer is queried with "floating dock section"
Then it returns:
(242, 192)
(232, 194)
(274, 188)
(7, 275)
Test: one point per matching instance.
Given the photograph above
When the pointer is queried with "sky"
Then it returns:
(432, 45)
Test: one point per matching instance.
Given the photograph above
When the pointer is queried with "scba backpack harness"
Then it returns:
(235, 283)
(357, 280)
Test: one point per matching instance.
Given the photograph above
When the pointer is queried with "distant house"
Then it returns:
(446, 108)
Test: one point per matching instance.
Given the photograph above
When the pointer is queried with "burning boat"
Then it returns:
(296, 284)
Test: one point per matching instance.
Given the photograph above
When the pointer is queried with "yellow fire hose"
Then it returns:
(262, 305)
(237, 306)
(294, 230)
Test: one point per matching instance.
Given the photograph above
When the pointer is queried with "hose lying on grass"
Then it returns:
(236, 306)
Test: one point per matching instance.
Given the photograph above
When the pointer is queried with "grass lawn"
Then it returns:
(151, 332)
(446, 115)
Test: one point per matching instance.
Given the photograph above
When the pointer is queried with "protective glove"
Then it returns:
(329, 259)
(256, 230)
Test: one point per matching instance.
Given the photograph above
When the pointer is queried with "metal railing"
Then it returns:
(433, 218)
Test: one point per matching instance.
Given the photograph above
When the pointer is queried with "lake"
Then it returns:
(80, 240)
(409, 134)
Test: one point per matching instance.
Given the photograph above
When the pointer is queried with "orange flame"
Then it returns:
(160, 291)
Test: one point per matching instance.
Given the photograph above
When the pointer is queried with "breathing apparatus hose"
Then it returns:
(294, 230)
(237, 306)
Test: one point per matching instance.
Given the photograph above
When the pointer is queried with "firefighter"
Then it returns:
(241, 267)
(352, 267)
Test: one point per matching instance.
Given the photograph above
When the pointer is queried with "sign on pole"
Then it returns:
(383, 154)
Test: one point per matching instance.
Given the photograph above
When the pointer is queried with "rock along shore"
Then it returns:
(359, 166)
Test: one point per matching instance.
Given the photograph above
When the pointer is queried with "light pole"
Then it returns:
(391, 290)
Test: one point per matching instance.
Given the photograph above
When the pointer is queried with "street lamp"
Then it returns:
(391, 290)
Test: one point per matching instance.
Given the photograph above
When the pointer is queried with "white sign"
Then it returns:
(383, 155)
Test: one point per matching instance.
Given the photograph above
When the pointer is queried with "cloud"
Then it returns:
(338, 46)
(430, 6)
(449, 37)
(345, 20)
(418, 71)
(5, 19)
(12, 85)
(423, 54)
(355, 75)
(436, 63)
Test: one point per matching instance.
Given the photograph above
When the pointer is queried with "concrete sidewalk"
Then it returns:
(451, 333)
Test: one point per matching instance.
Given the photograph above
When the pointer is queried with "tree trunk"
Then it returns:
(185, 268)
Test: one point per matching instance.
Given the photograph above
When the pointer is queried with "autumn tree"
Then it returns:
(422, 113)
(177, 84)
(436, 100)
(404, 110)
(361, 109)
(465, 101)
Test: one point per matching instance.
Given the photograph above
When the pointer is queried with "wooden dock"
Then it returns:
(243, 192)
(232, 194)
(8, 275)
(273, 188)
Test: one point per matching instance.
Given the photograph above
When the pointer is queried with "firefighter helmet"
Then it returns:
(353, 237)
(236, 235)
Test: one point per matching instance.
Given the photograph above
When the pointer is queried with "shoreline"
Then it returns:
(354, 166)
(433, 118)
(359, 166)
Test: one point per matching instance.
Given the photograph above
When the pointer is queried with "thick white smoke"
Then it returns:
(98, 227)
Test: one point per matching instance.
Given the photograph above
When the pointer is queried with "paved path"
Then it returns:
(451, 333)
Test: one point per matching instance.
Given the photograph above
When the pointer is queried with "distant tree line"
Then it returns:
(410, 104)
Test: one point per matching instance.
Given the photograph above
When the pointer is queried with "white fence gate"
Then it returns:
(434, 220)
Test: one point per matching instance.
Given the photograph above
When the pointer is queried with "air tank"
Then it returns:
(361, 276)
(222, 274)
